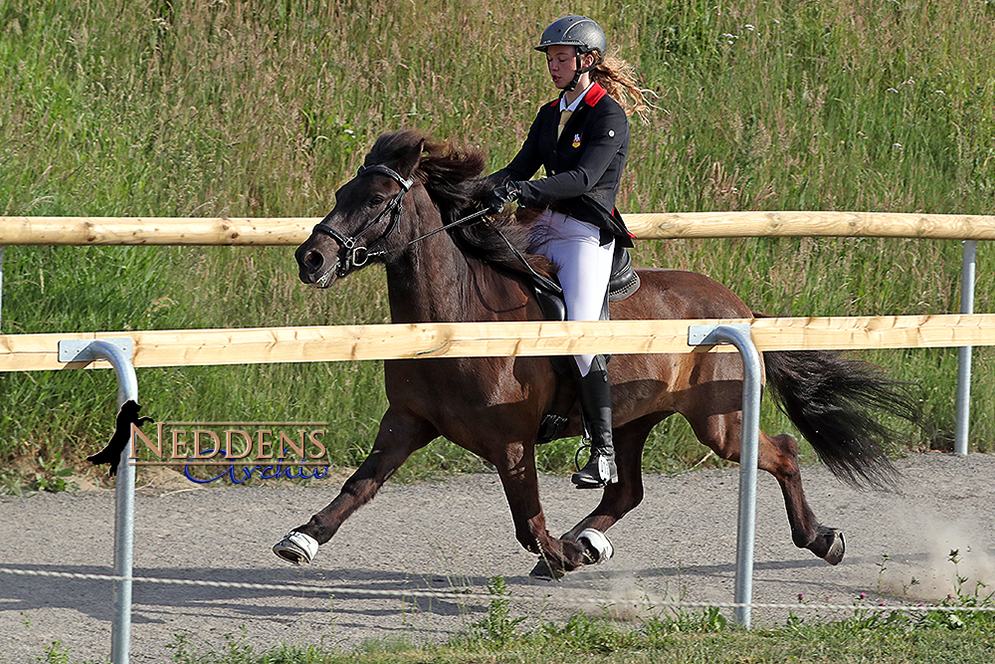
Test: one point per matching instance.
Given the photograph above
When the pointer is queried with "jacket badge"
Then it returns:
(576, 142)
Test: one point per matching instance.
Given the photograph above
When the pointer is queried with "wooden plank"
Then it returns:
(32, 352)
(84, 231)
(811, 224)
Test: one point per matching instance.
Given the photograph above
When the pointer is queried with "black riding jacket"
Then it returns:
(583, 168)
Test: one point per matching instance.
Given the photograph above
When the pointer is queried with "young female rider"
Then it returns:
(582, 140)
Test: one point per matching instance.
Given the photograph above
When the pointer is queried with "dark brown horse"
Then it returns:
(493, 407)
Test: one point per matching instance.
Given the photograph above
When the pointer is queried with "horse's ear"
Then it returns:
(409, 159)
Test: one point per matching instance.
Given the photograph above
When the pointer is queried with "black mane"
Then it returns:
(452, 176)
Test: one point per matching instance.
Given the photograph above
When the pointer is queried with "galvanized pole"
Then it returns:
(739, 336)
(1, 287)
(962, 423)
(118, 352)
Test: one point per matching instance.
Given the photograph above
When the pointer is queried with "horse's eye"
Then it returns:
(376, 200)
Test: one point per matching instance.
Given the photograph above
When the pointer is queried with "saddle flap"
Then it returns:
(624, 281)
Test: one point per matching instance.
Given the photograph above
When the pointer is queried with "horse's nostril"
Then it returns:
(313, 259)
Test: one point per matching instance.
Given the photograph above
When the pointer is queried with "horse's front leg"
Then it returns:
(400, 435)
(521, 487)
(619, 498)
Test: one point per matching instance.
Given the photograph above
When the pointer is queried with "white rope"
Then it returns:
(461, 596)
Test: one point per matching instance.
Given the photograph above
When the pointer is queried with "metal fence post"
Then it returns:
(962, 423)
(2, 248)
(739, 336)
(119, 353)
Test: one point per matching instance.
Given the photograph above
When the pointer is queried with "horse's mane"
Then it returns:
(452, 176)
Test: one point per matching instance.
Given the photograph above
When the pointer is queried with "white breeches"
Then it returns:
(584, 266)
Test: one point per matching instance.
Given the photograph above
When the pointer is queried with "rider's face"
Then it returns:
(562, 63)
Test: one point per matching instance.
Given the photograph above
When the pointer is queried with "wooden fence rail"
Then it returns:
(292, 231)
(33, 352)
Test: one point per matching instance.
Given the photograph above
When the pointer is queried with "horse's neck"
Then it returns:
(435, 282)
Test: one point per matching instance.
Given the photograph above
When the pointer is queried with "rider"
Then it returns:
(582, 140)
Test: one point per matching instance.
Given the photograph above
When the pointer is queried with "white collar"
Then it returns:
(576, 102)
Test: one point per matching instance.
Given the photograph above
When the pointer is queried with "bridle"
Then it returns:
(352, 254)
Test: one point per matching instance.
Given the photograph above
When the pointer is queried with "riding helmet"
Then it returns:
(579, 31)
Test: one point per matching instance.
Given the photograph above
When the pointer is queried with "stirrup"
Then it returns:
(600, 471)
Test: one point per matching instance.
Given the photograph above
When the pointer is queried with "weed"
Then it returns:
(498, 627)
(53, 474)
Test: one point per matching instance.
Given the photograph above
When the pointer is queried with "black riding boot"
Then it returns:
(596, 407)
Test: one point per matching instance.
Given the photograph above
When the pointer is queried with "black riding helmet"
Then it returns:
(581, 32)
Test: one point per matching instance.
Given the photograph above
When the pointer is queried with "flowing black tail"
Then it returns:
(837, 403)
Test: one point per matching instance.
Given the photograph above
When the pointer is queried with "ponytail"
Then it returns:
(618, 78)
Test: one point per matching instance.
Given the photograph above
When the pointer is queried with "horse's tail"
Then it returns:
(837, 403)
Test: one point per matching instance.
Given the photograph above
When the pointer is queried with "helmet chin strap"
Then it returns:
(581, 70)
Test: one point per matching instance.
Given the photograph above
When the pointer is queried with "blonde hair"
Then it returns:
(618, 78)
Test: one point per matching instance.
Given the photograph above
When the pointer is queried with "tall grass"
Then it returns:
(262, 109)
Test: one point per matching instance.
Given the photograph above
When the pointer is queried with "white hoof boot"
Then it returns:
(597, 547)
(296, 547)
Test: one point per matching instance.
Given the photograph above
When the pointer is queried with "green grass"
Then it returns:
(674, 636)
(263, 109)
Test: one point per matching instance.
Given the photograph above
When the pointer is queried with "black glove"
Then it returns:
(501, 196)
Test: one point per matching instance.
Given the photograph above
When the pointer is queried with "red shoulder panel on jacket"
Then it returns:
(594, 95)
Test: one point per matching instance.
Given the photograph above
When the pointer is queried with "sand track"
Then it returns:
(456, 535)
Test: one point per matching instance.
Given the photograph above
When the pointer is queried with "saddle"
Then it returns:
(623, 282)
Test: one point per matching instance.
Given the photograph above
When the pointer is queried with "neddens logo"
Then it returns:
(279, 450)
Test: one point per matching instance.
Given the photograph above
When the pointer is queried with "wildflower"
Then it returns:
(801, 596)
(863, 595)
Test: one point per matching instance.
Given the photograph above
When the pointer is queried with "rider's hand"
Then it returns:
(501, 196)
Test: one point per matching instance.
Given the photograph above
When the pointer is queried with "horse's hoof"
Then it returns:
(597, 547)
(296, 547)
(544, 572)
(836, 550)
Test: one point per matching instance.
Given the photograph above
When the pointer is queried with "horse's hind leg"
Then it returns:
(778, 455)
(806, 532)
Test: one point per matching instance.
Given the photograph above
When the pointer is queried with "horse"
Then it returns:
(402, 210)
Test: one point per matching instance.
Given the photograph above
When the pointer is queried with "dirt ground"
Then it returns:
(456, 535)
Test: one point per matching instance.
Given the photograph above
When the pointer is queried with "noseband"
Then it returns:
(353, 255)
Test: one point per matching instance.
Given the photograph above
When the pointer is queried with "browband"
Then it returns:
(405, 184)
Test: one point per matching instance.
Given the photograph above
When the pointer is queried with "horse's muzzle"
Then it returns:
(315, 270)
